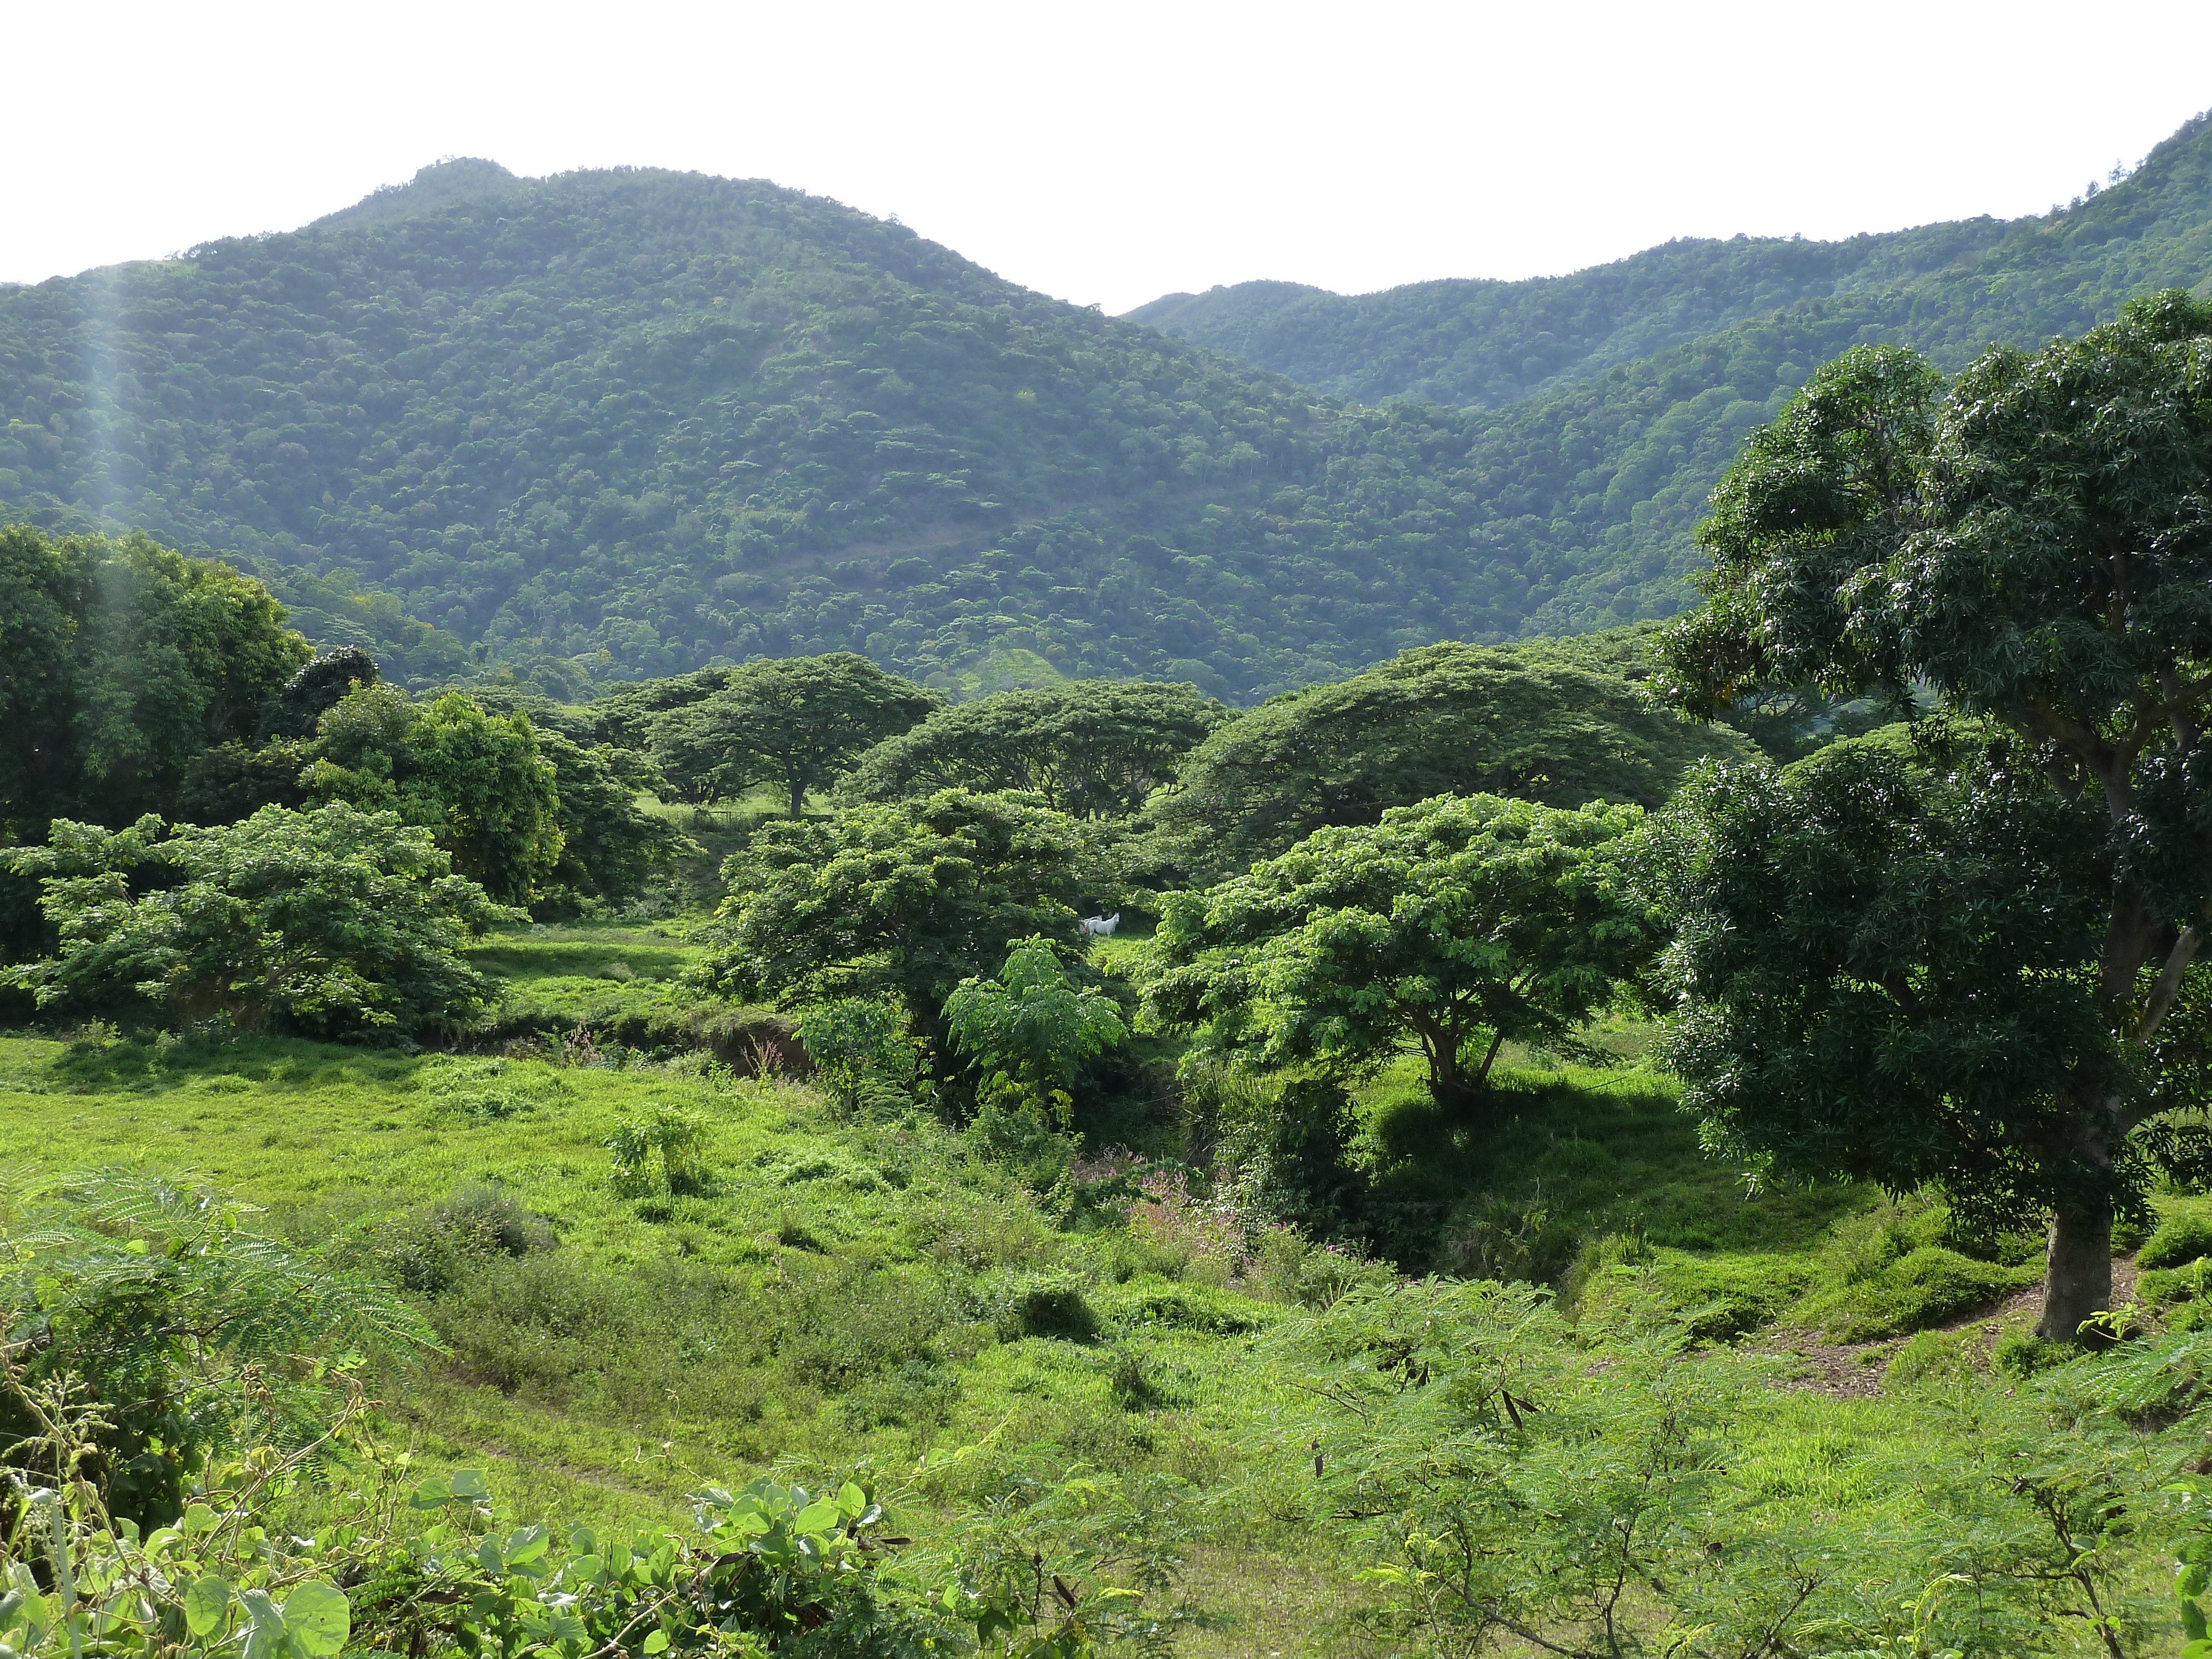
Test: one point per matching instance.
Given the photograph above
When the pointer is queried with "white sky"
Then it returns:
(1109, 152)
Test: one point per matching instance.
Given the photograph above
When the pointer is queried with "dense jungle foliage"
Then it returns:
(637, 422)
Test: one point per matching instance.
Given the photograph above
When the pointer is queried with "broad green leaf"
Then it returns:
(526, 1544)
(433, 1494)
(471, 1486)
(207, 1606)
(262, 1610)
(657, 1642)
(316, 1618)
(264, 1638)
(565, 1626)
(818, 1517)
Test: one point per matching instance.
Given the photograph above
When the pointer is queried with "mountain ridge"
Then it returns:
(1464, 341)
(640, 422)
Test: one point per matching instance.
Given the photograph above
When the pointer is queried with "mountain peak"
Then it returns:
(445, 181)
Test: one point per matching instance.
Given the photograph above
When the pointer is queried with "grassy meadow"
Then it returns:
(820, 1295)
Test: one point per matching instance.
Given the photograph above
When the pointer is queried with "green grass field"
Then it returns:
(825, 1295)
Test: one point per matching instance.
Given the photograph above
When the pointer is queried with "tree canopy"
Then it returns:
(2034, 547)
(1442, 720)
(477, 783)
(328, 922)
(1450, 927)
(793, 721)
(906, 898)
(123, 662)
(1882, 957)
(1091, 748)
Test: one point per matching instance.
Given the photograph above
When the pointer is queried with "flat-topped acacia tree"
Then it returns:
(795, 722)
(2034, 546)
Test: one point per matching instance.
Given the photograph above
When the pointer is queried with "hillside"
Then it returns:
(830, 1294)
(1946, 288)
(650, 421)
(1602, 473)
(640, 421)
(1484, 344)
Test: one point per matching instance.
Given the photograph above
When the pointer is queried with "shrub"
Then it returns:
(1030, 1026)
(1300, 1169)
(1284, 1266)
(860, 1052)
(2176, 1240)
(152, 1330)
(1130, 1379)
(2021, 1353)
(2166, 1287)
(331, 923)
(667, 1149)
(1010, 1131)
(1938, 1357)
(431, 1253)
(1041, 1305)
(1206, 1237)
(1720, 1298)
(1164, 1302)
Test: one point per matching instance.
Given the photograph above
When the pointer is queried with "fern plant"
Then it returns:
(153, 1306)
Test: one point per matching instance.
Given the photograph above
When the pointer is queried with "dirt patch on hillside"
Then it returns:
(1854, 1369)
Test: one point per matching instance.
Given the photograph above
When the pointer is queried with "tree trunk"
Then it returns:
(2079, 1257)
(798, 798)
(1450, 1084)
(1443, 1069)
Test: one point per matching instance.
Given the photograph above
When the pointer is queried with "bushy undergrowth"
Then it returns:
(874, 1291)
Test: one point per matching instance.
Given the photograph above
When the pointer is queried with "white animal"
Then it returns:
(1100, 926)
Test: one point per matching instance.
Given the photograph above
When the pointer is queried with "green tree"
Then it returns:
(328, 922)
(1880, 965)
(293, 712)
(498, 802)
(476, 781)
(1443, 720)
(609, 849)
(1449, 927)
(906, 898)
(124, 661)
(795, 722)
(627, 715)
(2033, 548)
(1032, 1025)
(1093, 749)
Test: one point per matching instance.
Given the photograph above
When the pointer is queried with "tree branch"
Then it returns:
(2169, 980)
(2044, 722)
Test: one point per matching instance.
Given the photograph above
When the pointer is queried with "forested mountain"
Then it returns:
(1946, 288)
(1603, 477)
(641, 422)
(652, 420)
(1486, 343)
